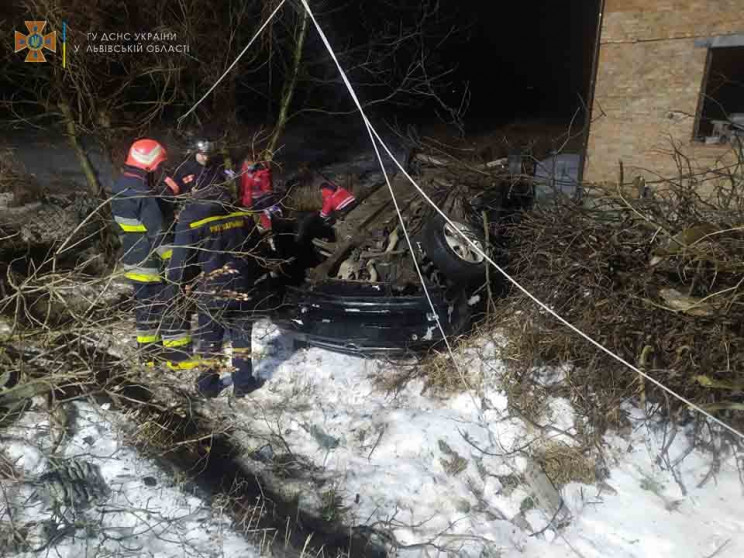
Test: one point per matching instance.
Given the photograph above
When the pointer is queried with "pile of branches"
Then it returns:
(657, 278)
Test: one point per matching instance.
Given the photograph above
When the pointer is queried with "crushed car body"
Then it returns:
(355, 287)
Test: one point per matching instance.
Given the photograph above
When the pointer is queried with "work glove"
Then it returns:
(273, 210)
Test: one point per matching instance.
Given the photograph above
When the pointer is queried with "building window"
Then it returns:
(721, 113)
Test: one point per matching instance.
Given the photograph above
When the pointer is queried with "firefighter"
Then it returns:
(255, 183)
(139, 217)
(204, 167)
(257, 192)
(214, 258)
(337, 201)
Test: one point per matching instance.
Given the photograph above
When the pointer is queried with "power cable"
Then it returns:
(375, 136)
(242, 52)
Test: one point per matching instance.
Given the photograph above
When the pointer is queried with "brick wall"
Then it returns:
(649, 79)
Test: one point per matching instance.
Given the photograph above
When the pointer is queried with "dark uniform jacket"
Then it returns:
(139, 217)
(212, 235)
(191, 174)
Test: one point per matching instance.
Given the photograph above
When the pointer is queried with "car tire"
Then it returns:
(454, 258)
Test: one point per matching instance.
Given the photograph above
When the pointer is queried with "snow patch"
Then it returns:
(448, 472)
(144, 514)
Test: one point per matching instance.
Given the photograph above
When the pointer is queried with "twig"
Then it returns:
(550, 523)
(376, 443)
(719, 549)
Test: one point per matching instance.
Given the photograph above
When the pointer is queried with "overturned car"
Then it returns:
(355, 288)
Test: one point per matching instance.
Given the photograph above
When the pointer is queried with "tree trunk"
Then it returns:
(90, 175)
(289, 88)
(232, 183)
(108, 237)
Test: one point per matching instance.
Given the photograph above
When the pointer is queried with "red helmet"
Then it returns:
(146, 154)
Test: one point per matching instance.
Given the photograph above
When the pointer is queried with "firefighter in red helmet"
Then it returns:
(137, 212)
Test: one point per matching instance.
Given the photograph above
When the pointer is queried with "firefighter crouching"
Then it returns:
(139, 218)
(215, 259)
(337, 202)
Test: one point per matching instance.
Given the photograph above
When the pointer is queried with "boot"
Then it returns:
(243, 380)
(247, 386)
(208, 384)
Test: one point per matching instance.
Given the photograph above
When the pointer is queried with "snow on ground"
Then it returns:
(138, 510)
(408, 463)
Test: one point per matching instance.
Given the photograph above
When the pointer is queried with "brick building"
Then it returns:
(666, 71)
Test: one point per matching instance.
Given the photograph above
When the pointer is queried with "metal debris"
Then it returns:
(73, 483)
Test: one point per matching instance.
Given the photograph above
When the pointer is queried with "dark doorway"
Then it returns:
(529, 59)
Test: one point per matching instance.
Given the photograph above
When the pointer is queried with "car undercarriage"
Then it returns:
(357, 288)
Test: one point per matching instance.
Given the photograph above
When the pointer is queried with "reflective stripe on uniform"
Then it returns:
(185, 364)
(142, 274)
(142, 277)
(145, 336)
(202, 222)
(346, 202)
(165, 252)
(241, 351)
(176, 340)
(130, 225)
(145, 339)
(133, 228)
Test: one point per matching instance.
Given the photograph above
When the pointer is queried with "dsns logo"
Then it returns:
(35, 41)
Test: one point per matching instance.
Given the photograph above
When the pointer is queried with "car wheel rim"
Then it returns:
(459, 246)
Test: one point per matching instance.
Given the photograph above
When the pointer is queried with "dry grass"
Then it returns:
(456, 464)
(563, 464)
(657, 280)
(303, 197)
(536, 137)
(435, 369)
(442, 379)
(14, 539)
(609, 270)
(7, 469)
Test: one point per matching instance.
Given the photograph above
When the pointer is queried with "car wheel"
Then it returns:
(455, 258)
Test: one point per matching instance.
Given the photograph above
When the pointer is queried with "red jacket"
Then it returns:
(254, 184)
(335, 200)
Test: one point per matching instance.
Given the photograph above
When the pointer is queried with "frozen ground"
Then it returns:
(126, 506)
(407, 464)
(438, 475)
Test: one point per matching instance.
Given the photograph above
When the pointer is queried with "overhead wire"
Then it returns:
(395, 204)
(374, 135)
(227, 71)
